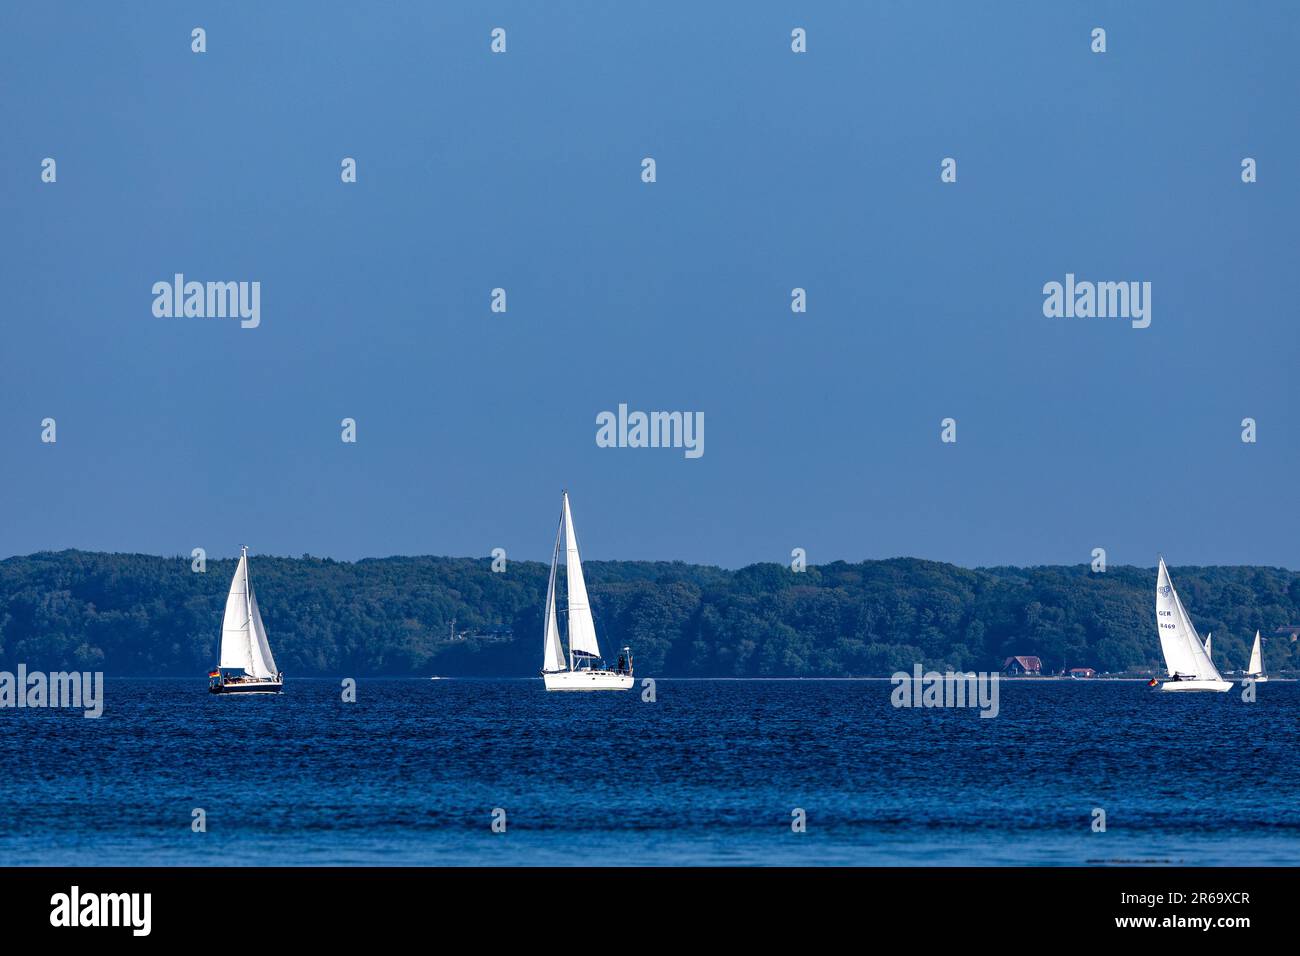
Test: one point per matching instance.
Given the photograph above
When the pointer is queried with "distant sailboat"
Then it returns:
(1256, 669)
(1186, 658)
(247, 666)
(584, 669)
(1208, 638)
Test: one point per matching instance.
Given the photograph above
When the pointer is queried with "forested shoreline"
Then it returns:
(141, 615)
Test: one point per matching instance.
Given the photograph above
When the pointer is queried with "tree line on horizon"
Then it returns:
(141, 615)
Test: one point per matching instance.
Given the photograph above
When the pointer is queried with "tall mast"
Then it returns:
(248, 602)
(564, 508)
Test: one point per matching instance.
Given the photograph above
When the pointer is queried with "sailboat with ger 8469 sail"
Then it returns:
(1187, 658)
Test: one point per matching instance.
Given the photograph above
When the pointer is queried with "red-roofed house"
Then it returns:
(1081, 672)
(1022, 665)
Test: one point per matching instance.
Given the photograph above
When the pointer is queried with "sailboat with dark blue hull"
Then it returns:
(247, 666)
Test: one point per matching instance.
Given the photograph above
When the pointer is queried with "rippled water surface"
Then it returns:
(708, 773)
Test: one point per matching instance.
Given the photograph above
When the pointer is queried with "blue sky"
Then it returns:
(775, 170)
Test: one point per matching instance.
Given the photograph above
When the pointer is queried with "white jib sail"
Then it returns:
(1256, 658)
(243, 636)
(263, 662)
(553, 655)
(1184, 652)
(582, 629)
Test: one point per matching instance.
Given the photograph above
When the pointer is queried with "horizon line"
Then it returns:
(699, 564)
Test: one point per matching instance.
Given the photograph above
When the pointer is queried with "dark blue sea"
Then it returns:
(709, 773)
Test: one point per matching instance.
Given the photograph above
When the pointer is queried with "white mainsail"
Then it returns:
(243, 636)
(1184, 652)
(582, 629)
(553, 656)
(1256, 658)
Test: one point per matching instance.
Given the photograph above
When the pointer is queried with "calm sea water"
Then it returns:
(709, 773)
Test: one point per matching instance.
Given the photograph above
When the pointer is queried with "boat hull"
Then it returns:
(247, 687)
(1219, 686)
(587, 680)
(1258, 680)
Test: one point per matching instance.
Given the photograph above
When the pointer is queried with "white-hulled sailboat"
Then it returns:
(1256, 669)
(247, 666)
(584, 669)
(1186, 657)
